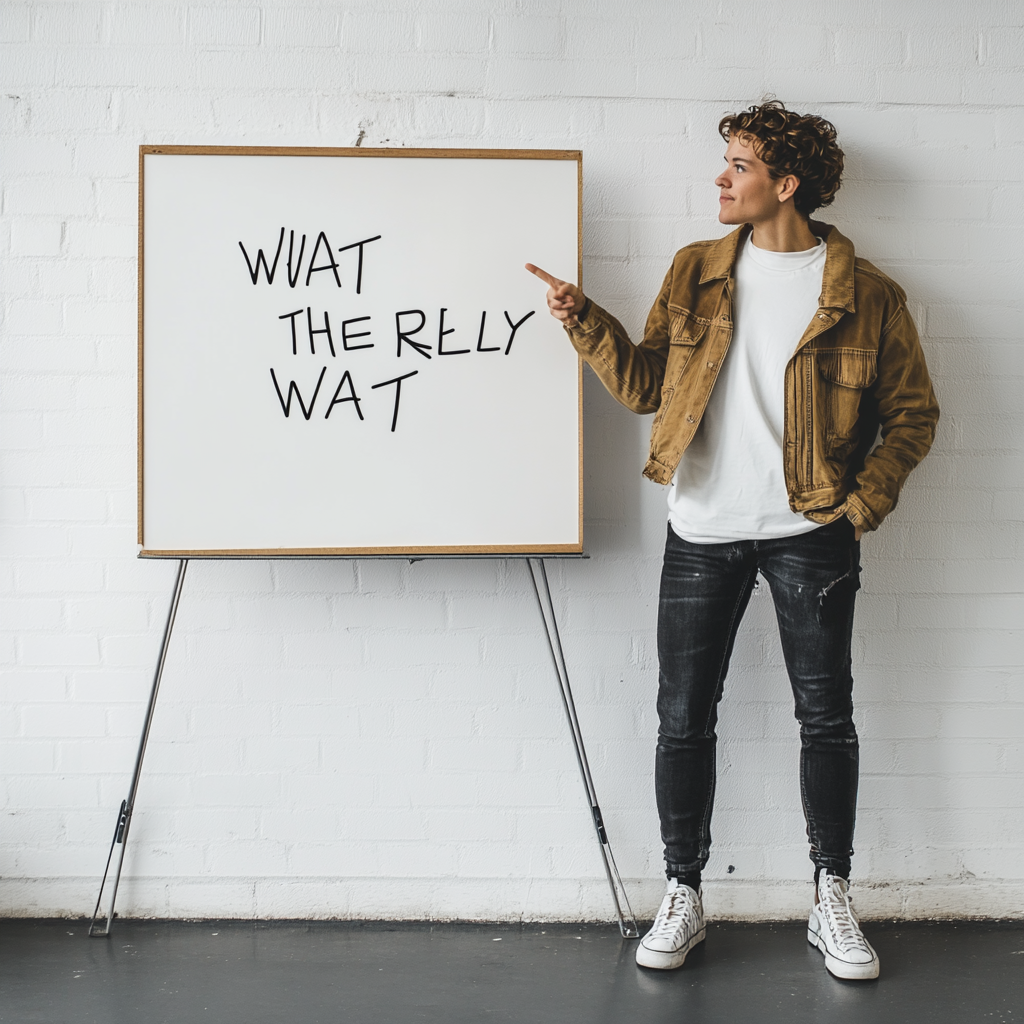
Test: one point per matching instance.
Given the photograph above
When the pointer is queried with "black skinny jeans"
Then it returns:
(705, 588)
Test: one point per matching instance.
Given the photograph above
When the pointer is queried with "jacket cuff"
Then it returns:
(858, 514)
(588, 321)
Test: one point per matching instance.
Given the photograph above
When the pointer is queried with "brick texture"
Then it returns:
(327, 730)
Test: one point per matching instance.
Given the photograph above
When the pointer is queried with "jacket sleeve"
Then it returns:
(633, 374)
(907, 413)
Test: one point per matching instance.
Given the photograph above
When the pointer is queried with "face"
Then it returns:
(748, 193)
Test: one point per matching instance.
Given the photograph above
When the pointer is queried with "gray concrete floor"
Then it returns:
(153, 972)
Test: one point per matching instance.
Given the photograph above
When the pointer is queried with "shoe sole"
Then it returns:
(839, 968)
(667, 961)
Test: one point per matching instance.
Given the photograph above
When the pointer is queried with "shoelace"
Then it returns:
(681, 911)
(838, 908)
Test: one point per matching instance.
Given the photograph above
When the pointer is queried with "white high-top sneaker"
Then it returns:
(834, 928)
(678, 927)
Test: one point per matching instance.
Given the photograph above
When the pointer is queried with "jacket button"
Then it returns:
(690, 419)
(711, 365)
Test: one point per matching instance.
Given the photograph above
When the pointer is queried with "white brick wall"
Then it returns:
(384, 739)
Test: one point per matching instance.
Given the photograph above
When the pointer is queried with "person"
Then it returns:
(791, 401)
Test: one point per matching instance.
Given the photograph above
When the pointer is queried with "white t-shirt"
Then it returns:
(730, 484)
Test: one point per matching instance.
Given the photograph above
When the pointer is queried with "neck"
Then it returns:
(788, 232)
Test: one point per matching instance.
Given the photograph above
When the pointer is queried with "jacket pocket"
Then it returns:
(684, 328)
(685, 332)
(846, 373)
(666, 401)
(848, 367)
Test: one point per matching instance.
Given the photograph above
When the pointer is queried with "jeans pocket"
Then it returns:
(840, 527)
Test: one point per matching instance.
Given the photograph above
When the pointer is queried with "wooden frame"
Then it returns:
(350, 151)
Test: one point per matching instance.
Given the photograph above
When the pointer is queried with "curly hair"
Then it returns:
(803, 145)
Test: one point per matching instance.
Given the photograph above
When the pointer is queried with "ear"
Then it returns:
(787, 187)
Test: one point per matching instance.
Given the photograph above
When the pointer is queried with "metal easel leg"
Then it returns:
(539, 576)
(124, 816)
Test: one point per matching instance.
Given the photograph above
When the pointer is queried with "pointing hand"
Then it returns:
(565, 300)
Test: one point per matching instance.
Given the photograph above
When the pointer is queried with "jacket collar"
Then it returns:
(837, 290)
(721, 257)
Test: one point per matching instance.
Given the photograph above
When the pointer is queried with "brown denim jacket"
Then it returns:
(857, 369)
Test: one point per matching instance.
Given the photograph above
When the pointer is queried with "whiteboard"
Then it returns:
(341, 353)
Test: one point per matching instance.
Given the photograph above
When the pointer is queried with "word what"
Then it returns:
(294, 262)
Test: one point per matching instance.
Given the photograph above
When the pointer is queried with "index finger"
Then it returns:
(554, 282)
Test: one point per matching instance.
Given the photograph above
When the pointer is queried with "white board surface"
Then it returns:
(241, 453)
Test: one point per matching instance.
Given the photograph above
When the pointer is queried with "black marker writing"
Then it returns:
(480, 347)
(419, 346)
(295, 261)
(292, 316)
(293, 389)
(294, 278)
(441, 332)
(346, 337)
(351, 397)
(359, 271)
(397, 381)
(515, 327)
(325, 330)
(261, 260)
(331, 266)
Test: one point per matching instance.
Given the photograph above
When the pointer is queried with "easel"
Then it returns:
(101, 926)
